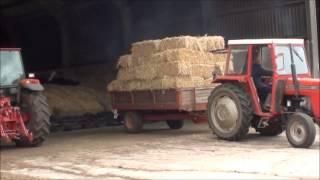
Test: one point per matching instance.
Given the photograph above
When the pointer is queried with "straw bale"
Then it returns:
(173, 63)
(220, 67)
(114, 85)
(202, 70)
(205, 44)
(145, 48)
(211, 43)
(186, 55)
(167, 82)
(146, 71)
(72, 100)
(124, 61)
(126, 74)
(180, 42)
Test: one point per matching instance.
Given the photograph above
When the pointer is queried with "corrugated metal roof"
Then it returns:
(265, 41)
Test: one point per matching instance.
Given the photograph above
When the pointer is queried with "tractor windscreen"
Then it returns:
(11, 68)
(283, 59)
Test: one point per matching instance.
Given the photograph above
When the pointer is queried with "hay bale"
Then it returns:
(169, 82)
(126, 74)
(202, 70)
(176, 62)
(124, 61)
(205, 44)
(183, 55)
(145, 48)
(211, 43)
(72, 100)
(145, 71)
(220, 67)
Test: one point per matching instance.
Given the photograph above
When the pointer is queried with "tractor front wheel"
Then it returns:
(301, 131)
(35, 106)
(230, 111)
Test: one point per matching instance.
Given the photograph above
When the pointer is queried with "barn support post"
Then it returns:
(312, 34)
(206, 14)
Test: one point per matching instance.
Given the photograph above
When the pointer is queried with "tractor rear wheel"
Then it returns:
(177, 124)
(35, 105)
(133, 122)
(301, 131)
(230, 111)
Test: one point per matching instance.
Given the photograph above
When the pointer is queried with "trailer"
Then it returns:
(170, 105)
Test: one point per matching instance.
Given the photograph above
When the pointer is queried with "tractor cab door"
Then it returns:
(262, 75)
(271, 88)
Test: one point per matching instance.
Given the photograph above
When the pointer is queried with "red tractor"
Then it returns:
(293, 100)
(24, 111)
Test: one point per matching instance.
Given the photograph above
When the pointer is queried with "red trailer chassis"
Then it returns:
(164, 105)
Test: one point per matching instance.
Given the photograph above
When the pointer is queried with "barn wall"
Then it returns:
(87, 32)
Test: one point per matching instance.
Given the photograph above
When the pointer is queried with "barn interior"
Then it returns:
(77, 43)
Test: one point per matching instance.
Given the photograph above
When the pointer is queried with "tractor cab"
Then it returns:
(266, 65)
(267, 85)
(11, 68)
(11, 73)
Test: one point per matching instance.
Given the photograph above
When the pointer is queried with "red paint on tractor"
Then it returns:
(12, 122)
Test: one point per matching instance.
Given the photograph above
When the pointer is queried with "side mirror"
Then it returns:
(31, 75)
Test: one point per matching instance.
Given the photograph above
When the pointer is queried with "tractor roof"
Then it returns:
(265, 41)
(10, 49)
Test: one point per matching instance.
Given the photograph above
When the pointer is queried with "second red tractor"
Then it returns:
(293, 103)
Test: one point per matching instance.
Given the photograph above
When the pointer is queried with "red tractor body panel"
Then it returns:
(308, 88)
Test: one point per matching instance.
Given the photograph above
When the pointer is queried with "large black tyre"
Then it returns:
(177, 124)
(230, 111)
(300, 131)
(133, 122)
(36, 106)
(274, 128)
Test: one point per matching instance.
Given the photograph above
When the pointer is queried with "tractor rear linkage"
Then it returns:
(12, 122)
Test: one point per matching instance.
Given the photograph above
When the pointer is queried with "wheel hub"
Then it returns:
(129, 122)
(297, 132)
(225, 114)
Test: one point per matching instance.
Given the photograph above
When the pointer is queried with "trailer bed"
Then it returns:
(182, 99)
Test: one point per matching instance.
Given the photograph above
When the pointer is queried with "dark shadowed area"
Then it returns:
(60, 33)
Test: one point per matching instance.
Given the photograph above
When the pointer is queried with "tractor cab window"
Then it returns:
(283, 59)
(238, 60)
(266, 58)
(11, 69)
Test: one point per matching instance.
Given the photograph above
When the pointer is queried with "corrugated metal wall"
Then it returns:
(259, 18)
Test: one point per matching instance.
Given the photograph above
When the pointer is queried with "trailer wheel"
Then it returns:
(230, 111)
(133, 122)
(301, 131)
(35, 105)
(177, 124)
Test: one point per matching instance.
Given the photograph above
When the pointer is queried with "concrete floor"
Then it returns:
(159, 153)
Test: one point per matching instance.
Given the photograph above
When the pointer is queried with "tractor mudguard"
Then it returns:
(33, 87)
(32, 84)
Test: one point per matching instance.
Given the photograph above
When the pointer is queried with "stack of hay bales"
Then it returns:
(68, 101)
(176, 62)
